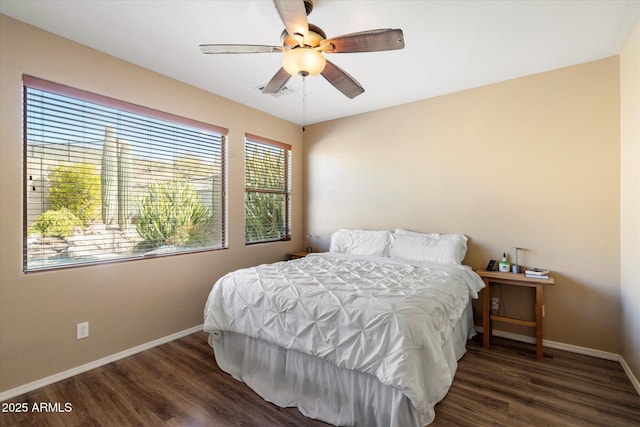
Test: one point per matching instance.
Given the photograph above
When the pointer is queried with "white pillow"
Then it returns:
(361, 242)
(432, 247)
(434, 235)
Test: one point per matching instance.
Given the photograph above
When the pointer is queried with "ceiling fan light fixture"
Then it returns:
(303, 61)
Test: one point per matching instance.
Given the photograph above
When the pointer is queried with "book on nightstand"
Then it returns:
(536, 273)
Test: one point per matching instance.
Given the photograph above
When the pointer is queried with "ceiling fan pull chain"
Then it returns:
(304, 101)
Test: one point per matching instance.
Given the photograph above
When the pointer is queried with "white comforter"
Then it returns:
(384, 317)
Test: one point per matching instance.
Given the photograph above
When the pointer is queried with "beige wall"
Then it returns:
(630, 199)
(129, 303)
(532, 162)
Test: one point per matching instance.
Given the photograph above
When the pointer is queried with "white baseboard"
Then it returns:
(129, 352)
(509, 335)
(581, 350)
(571, 348)
(627, 369)
(96, 363)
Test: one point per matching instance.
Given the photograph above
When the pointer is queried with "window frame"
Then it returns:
(35, 83)
(286, 192)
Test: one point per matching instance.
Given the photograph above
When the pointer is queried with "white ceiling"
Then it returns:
(450, 45)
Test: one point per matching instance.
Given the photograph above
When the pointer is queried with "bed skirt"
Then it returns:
(322, 390)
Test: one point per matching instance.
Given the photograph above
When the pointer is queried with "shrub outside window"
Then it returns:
(267, 190)
(106, 180)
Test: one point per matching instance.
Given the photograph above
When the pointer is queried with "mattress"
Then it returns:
(322, 390)
(398, 327)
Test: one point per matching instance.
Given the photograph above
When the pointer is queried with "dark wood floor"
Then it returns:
(179, 384)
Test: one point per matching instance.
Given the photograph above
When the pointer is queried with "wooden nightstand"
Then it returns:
(515, 280)
(296, 255)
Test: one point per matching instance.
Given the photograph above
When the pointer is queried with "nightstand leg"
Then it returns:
(486, 324)
(539, 349)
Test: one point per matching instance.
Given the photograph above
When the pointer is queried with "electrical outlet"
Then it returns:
(82, 330)
(495, 303)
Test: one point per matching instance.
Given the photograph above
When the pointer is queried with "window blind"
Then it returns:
(108, 180)
(267, 190)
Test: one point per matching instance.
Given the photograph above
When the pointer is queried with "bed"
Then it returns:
(367, 334)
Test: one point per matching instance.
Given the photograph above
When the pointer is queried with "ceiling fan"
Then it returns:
(303, 45)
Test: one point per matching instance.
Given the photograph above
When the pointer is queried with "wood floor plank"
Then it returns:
(179, 384)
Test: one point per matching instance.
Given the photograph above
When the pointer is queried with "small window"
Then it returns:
(267, 190)
(109, 181)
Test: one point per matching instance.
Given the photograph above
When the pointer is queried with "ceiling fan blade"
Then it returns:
(341, 80)
(294, 17)
(277, 82)
(366, 41)
(239, 48)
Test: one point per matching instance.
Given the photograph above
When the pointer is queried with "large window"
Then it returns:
(106, 180)
(267, 190)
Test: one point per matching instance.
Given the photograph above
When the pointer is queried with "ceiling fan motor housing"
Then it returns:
(314, 37)
(308, 6)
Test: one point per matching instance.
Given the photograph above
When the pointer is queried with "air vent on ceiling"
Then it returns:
(284, 91)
